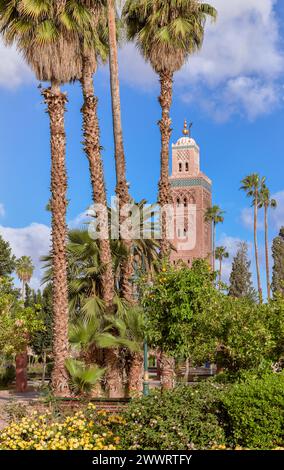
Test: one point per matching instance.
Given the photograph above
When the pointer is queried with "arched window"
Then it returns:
(180, 166)
(185, 202)
(186, 166)
(178, 201)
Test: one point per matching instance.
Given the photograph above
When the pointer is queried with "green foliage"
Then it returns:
(7, 374)
(254, 412)
(185, 418)
(42, 340)
(175, 297)
(7, 259)
(278, 267)
(17, 324)
(275, 323)
(235, 333)
(240, 278)
(83, 378)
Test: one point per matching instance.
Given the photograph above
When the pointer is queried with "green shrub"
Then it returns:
(185, 418)
(7, 375)
(254, 412)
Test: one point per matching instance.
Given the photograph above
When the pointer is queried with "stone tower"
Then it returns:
(192, 195)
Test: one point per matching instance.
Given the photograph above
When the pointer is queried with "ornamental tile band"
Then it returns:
(186, 182)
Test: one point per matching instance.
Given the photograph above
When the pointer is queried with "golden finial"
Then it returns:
(185, 129)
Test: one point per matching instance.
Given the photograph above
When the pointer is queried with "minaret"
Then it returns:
(192, 195)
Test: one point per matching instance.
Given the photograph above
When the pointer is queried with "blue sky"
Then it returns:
(233, 92)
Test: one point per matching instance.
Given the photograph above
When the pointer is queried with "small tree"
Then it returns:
(240, 278)
(17, 327)
(172, 301)
(278, 268)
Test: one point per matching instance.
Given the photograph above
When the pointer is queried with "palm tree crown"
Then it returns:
(265, 199)
(24, 268)
(221, 253)
(215, 215)
(167, 32)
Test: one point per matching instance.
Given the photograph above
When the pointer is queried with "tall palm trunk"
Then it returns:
(22, 361)
(121, 182)
(267, 252)
(220, 273)
(23, 290)
(165, 99)
(56, 101)
(213, 246)
(256, 249)
(92, 149)
(113, 377)
(135, 380)
(167, 365)
(21, 372)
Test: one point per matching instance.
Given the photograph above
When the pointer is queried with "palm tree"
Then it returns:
(24, 271)
(94, 47)
(220, 254)
(266, 202)
(166, 33)
(215, 216)
(251, 184)
(122, 187)
(41, 32)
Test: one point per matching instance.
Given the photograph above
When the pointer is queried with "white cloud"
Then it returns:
(134, 70)
(13, 70)
(33, 241)
(2, 210)
(247, 218)
(275, 216)
(80, 220)
(243, 42)
(236, 71)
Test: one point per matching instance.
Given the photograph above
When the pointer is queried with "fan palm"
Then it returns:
(252, 184)
(83, 378)
(24, 271)
(266, 202)
(166, 33)
(220, 254)
(215, 216)
(130, 334)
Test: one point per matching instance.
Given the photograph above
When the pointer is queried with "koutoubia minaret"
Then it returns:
(192, 195)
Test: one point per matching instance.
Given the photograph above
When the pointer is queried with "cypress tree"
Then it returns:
(278, 268)
(240, 278)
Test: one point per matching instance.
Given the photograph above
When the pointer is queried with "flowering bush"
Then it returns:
(86, 430)
(182, 419)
